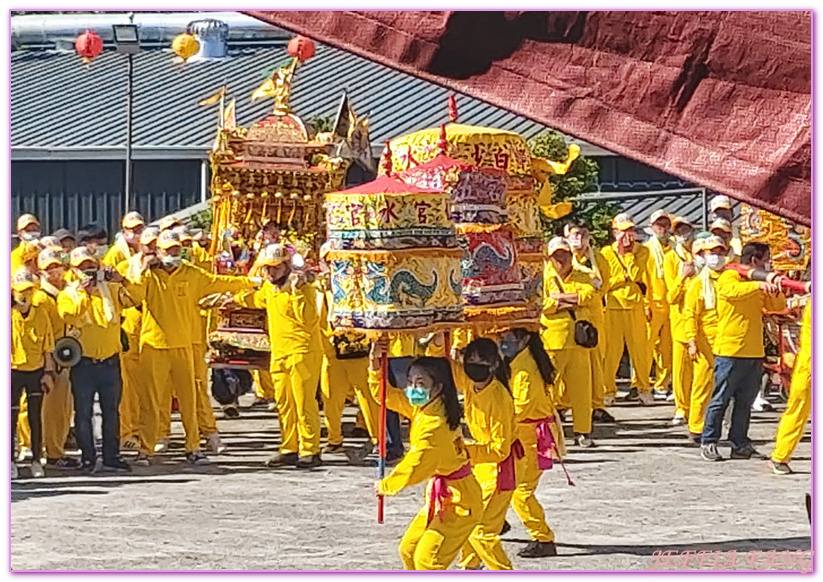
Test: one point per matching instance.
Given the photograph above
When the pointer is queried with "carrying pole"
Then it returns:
(381, 443)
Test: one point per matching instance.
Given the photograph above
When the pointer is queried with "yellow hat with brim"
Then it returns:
(27, 220)
(273, 255)
(678, 220)
(721, 224)
(149, 235)
(657, 215)
(712, 242)
(623, 222)
(47, 258)
(720, 202)
(132, 219)
(80, 255)
(23, 280)
(168, 222)
(168, 239)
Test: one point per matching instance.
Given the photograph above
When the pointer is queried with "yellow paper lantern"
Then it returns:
(185, 46)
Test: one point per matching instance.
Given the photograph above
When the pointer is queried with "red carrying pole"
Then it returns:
(381, 442)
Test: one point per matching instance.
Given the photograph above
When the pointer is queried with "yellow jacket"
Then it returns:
(293, 318)
(657, 277)
(118, 252)
(46, 299)
(99, 331)
(434, 449)
(31, 338)
(171, 314)
(699, 323)
(583, 263)
(531, 396)
(740, 307)
(558, 326)
(676, 292)
(133, 316)
(624, 274)
(489, 415)
(201, 258)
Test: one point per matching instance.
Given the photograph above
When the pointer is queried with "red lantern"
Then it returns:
(88, 45)
(301, 47)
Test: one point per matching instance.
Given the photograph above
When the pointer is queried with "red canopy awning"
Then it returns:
(719, 98)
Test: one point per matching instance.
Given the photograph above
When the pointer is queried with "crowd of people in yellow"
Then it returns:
(134, 308)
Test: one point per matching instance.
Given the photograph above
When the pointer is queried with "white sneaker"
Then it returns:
(130, 444)
(762, 405)
(214, 444)
(14, 472)
(162, 446)
(645, 398)
(608, 401)
(678, 420)
(272, 407)
(670, 397)
(24, 455)
(37, 470)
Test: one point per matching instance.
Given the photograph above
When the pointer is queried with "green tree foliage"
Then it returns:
(581, 177)
(202, 220)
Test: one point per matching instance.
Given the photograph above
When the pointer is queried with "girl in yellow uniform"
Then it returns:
(489, 413)
(454, 500)
(538, 430)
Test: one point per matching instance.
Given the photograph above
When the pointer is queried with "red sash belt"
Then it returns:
(506, 478)
(439, 492)
(546, 445)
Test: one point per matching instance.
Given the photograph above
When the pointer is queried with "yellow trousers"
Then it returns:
(798, 409)
(702, 386)
(167, 371)
(626, 327)
(56, 414)
(659, 342)
(574, 370)
(295, 381)
(484, 542)
(598, 377)
(436, 545)
(206, 421)
(524, 502)
(132, 386)
(682, 378)
(338, 379)
(263, 388)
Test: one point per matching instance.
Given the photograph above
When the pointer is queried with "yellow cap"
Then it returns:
(27, 220)
(657, 215)
(168, 222)
(23, 280)
(678, 220)
(183, 232)
(712, 242)
(273, 255)
(168, 239)
(720, 202)
(721, 224)
(81, 254)
(49, 241)
(47, 258)
(149, 235)
(132, 220)
(558, 244)
(623, 222)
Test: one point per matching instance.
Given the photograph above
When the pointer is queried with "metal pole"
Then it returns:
(204, 186)
(129, 96)
(705, 210)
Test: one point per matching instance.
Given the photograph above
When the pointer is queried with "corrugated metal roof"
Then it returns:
(57, 102)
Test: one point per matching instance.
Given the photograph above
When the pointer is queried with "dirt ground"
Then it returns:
(642, 491)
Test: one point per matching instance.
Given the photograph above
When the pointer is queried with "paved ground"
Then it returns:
(642, 491)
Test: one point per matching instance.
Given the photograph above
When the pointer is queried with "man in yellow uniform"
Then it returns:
(296, 355)
(567, 295)
(127, 241)
(170, 292)
(799, 407)
(700, 326)
(738, 351)
(92, 307)
(659, 326)
(28, 231)
(678, 269)
(723, 228)
(626, 303)
(589, 260)
(721, 207)
(133, 385)
(57, 403)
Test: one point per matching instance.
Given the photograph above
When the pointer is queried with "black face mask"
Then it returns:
(478, 372)
(281, 281)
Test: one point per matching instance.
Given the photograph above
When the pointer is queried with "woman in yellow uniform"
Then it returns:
(538, 430)
(32, 367)
(799, 406)
(454, 500)
(489, 413)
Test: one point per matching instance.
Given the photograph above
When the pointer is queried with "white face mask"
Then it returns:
(30, 236)
(699, 262)
(101, 251)
(683, 239)
(171, 260)
(715, 262)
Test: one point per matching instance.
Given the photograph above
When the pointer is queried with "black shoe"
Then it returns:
(71, 441)
(709, 452)
(583, 441)
(87, 466)
(538, 550)
(632, 395)
(116, 466)
(748, 452)
(506, 528)
(231, 411)
(601, 415)
(279, 460)
(260, 403)
(360, 433)
(309, 462)
(324, 432)
(63, 463)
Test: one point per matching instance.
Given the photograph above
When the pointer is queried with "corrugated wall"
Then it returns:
(68, 194)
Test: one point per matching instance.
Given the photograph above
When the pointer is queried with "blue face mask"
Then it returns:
(418, 396)
(509, 349)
